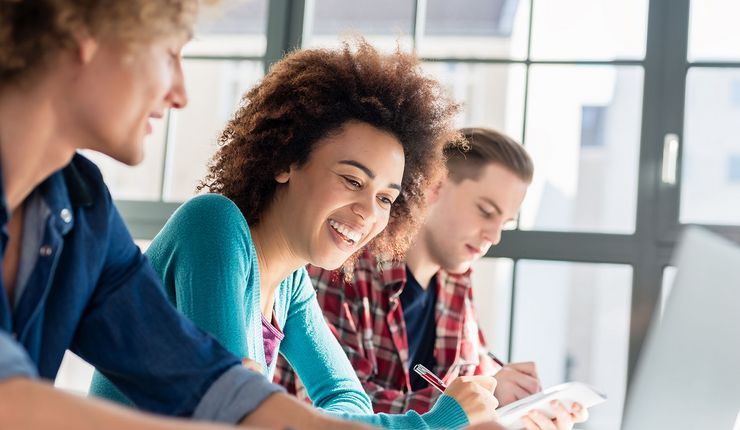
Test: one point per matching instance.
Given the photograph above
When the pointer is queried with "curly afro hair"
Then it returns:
(312, 93)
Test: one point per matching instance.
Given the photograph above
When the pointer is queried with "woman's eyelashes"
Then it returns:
(356, 184)
(352, 183)
(385, 201)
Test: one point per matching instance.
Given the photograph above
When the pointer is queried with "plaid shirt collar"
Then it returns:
(393, 280)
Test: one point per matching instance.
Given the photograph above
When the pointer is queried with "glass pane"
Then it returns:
(492, 94)
(234, 27)
(710, 173)
(141, 182)
(492, 280)
(589, 29)
(475, 29)
(573, 320)
(214, 90)
(583, 132)
(669, 274)
(713, 33)
(384, 23)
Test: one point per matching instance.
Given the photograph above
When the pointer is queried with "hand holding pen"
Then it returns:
(473, 393)
(515, 380)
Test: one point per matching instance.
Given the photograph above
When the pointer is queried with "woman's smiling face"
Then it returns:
(341, 197)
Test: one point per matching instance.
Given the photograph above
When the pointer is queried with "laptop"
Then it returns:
(688, 374)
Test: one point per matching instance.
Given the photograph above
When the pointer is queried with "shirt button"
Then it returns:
(45, 251)
(66, 215)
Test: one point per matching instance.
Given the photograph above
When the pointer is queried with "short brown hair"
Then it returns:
(485, 146)
(32, 31)
(312, 93)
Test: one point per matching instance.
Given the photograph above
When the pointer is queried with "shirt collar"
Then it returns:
(65, 187)
(77, 188)
(62, 191)
(393, 277)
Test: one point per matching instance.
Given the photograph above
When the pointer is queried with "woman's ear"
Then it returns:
(283, 177)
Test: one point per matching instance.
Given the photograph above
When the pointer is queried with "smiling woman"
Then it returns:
(328, 154)
(309, 96)
(344, 193)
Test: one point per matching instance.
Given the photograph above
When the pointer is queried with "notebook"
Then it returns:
(567, 393)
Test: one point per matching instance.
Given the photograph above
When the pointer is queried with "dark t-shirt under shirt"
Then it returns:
(419, 316)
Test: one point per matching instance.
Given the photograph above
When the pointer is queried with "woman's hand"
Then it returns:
(564, 419)
(475, 396)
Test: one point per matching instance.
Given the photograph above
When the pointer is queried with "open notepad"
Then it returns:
(509, 415)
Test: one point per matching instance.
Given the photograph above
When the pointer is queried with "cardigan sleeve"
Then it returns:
(315, 354)
(203, 254)
(331, 382)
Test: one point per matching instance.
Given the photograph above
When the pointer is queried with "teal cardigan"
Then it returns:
(208, 264)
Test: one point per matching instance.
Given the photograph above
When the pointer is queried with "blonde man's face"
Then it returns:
(120, 89)
(467, 218)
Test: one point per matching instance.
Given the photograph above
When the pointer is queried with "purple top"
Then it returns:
(271, 336)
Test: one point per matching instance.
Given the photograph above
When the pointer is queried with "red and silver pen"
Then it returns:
(430, 377)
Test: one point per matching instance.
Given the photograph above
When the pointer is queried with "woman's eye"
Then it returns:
(352, 183)
(386, 201)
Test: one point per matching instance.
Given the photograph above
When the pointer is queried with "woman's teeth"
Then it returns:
(348, 234)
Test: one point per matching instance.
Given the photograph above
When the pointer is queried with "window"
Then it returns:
(592, 126)
(574, 189)
(733, 169)
(492, 291)
(573, 320)
(385, 23)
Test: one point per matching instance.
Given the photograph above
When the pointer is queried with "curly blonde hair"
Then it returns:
(311, 94)
(32, 31)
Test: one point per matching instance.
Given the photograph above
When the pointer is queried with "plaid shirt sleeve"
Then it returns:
(342, 309)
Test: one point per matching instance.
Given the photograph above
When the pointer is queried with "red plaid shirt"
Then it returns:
(366, 316)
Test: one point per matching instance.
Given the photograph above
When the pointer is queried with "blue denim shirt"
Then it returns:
(89, 289)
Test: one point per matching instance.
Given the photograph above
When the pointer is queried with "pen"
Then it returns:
(430, 377)
(496, 359)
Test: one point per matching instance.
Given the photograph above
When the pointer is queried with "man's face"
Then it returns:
(121, 89)
(467, 217)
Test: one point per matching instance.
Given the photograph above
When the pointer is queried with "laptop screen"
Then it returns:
(688, 374)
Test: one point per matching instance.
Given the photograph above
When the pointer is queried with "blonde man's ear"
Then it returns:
(433, 195)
